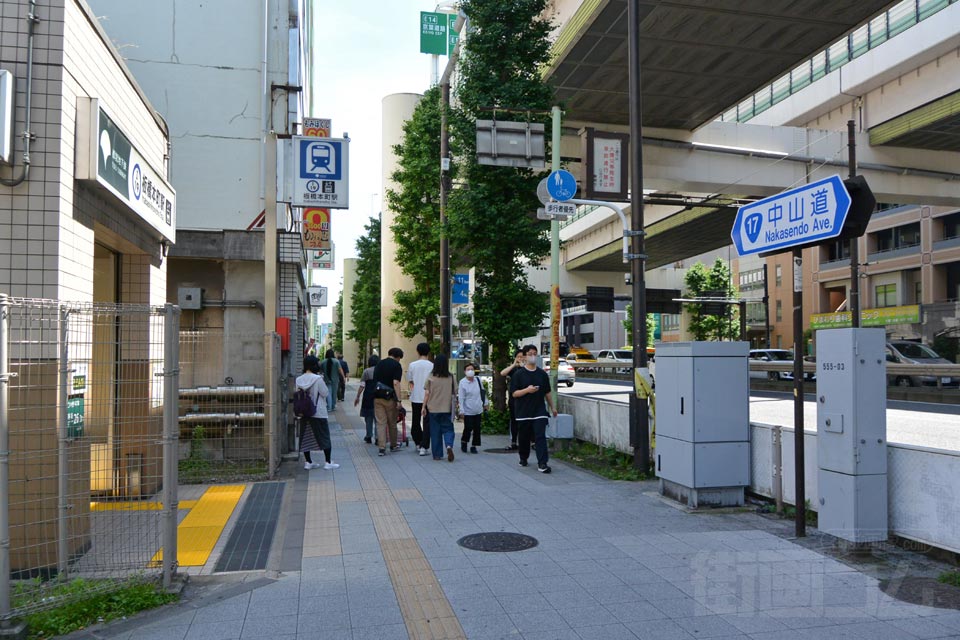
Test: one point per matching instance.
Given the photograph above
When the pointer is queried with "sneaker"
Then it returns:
(311, 465)
(543, 468)
(473, 450)
(395, 447)
(463, 447)
(423, 452)
(513, 447)
(449, 454)
(382, 452)
(523, 463)
(331, 465)
(367, 439)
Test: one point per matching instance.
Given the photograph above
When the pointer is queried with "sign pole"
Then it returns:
(444, 240)
(799, 471)
(639, 418)
(555, 266)
(854, 242)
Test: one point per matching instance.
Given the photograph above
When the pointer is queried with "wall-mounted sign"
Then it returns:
(317, 127)
(317, 296)
(322, 259)
(882, 317)
(320, 172)
(316, 228)
(105, 155)
(605, 164)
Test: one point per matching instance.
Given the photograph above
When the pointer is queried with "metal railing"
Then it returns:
(87, 449)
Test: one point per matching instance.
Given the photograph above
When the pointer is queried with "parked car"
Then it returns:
(775, 355)
(617, 355)
(580, 355)
(907, 352)
(565, 373)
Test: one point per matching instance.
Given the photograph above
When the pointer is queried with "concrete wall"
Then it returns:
(397, 109)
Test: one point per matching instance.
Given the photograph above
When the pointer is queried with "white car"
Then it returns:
(565, 373)
(617, 355)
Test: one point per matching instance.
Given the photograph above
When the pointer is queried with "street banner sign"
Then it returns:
(320, 172)
(316, 228)
(317, 296)
(317, 127)
(460, 292)
(561, 209)
(561, 185)
(800, 216)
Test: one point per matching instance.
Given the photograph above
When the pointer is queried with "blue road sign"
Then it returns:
(561, 185)
(320, 159)
(813, 212)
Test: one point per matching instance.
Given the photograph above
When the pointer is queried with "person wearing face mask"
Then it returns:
(472, 398)
(530, 389)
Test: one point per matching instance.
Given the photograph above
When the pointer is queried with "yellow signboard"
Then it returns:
(316, 228)
(882, 317)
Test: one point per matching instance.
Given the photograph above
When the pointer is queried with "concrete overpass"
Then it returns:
(697, 61)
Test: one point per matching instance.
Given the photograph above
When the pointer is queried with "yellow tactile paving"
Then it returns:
(138, 506)
(199, 531)
(426, 611)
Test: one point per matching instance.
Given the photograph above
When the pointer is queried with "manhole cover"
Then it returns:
(924, 591)
(499, 450)
(498, 541)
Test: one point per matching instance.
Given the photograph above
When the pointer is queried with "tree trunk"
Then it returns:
(500, 358)
(428, 331)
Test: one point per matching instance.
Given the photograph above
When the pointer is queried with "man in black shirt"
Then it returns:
(530, 390)
(388, 372)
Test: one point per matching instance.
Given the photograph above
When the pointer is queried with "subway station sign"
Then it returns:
(106, 156)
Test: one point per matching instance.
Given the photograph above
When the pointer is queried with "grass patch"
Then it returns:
(950, 577)
(606, 462)
(790, 512)
(199, 471)
(86, 602)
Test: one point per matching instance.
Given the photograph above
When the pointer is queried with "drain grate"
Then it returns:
(249, 544)
(498, 542)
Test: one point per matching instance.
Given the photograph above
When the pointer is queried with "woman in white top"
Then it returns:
(315, 429)
(473, 400)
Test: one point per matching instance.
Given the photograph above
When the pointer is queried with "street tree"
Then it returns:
(628, 325)
(493, 221)
(336, 342)
(365, 306)
(700, 280)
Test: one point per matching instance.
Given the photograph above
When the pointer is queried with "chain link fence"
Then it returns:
(88, 436)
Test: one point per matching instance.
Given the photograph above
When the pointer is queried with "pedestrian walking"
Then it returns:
(315, 429)
(386, 398)
(440, 400)
(530, 388)
(517, 363)
(342, 389)
(417, 374)
(365, 397)
(334, 375)
(472, 398)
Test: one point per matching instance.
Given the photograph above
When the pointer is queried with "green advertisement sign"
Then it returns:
(75, 416)
(437, 36)
(909, 314)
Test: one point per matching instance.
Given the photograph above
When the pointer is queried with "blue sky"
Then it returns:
(369, 50)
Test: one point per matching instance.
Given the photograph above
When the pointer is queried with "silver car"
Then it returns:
(906, 352)
(775, 355)
(565, 373)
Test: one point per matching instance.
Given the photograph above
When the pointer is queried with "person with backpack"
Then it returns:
(310, 406)
(473, 401)
(440, 399)
(333, 375)
(367, 387)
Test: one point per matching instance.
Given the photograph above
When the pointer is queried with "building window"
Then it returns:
(779, 310)
(586, 338)
(779, 275)
(779, 342)
(885, 295)
(838, 250)
(902, 237)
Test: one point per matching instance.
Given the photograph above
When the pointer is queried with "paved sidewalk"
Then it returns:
(379, 560)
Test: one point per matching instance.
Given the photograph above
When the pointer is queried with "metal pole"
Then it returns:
(555, 265)
(854, 242)
(766, 304)
(778, 467)
(743, 319)
(171, 401)
(444, 240)
(63, 504)
(799, 471)
(639, 418)
(4, 456)
(270, 293)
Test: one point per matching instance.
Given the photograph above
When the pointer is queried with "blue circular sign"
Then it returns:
(137, 180)
(561, 185)
(313, 186)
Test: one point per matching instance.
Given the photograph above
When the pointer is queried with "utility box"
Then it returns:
(852, 434)
(703, 422)
(190, 298)
(560, 427)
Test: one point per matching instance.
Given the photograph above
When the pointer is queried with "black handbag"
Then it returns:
(384, 392)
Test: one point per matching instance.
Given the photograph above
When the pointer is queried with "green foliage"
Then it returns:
(336, 339)
(495, 422)
(947, 346)
(628, 325)
(700, 279)
(950, 577)
(416, 226)
(606, 462)
(493, 220)
(86, 602)
(365, 305)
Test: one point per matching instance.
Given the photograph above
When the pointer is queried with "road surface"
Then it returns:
(920, 424)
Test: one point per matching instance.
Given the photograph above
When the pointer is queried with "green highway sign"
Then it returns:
(437, 36)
